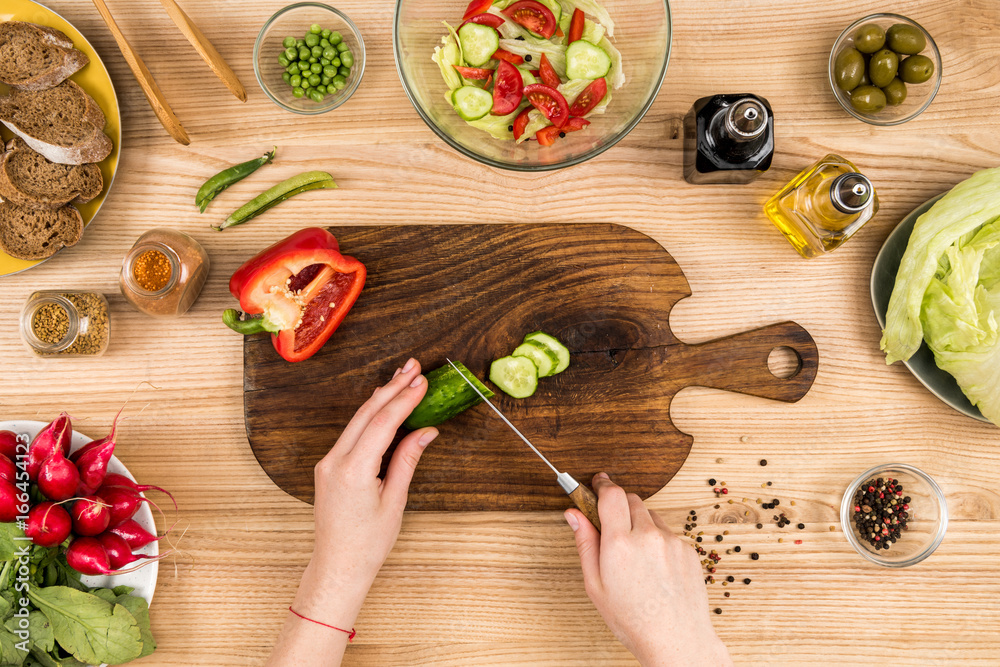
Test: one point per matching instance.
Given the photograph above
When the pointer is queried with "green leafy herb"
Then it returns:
(93, 630)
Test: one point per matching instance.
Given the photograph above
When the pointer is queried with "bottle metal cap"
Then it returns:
(851, 192)
(746, 119)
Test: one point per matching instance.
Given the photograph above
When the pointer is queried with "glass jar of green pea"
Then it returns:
(317, 64)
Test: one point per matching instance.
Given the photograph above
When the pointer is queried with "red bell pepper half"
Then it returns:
(299, 290)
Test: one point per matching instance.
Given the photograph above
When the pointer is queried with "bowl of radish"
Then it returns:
(78, 515)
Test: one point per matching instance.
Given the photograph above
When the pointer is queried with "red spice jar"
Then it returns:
(164, 273)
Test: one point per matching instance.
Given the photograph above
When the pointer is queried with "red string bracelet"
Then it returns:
(350, 633)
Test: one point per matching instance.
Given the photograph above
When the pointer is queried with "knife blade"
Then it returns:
(580, 494)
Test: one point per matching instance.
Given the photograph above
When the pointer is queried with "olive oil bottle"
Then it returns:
(822, 207)
(728, 139)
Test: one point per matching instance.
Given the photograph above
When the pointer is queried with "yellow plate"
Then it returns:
(95, 80)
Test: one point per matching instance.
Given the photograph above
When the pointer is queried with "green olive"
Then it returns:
(916, 69)
(905, 39)
(869, 38)
(867, 99)
(895, 92)
(882, 68)
(848, 69)
(865, 81)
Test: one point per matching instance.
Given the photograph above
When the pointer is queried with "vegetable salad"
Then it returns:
(523, 69)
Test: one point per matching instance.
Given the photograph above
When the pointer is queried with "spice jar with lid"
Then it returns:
(68, 324)
(164, 273)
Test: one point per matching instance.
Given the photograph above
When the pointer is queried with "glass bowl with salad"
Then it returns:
(309, 58)
(532, 85)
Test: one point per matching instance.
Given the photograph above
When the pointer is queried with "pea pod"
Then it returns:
(227, 177)
(310, 180)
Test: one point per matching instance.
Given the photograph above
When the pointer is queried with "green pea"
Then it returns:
(325, 34)
(304, 53)
(299, 43)
(296, 81)
(293, 68)
(311, 40)
(324, 62)
(315, 28)
(347, 59)
(313, 60)
(342, 47)
(286, 77)
(321, 88)
(283, 60)
(330, 53)
(289, 42)
(335, 38)
(325, 43)
(305, 85)
(326, 80)
(298, 92)
(344, 71)
(339, 82)
(316, 96)
(317, 52)
(336, 62)
(314, 79)
(292, 53)
(330, 72)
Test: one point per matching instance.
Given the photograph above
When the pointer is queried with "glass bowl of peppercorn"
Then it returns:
(894, 515)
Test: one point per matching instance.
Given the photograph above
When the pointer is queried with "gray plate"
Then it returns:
(921, 364)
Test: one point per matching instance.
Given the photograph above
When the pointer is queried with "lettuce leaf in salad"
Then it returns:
(616, 77)
(592, 8)
(947, 290)
(555, 53)
(592, 32)
(498, 126)
(446, 57)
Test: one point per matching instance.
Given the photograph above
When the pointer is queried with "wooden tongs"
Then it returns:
(142, 74)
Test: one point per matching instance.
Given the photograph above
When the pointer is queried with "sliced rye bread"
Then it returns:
(32, 234)
(64, 123)
(28, 179)
(35, 57)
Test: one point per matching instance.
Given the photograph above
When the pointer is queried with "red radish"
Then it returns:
(8, 444)
(124, 502)
(119, 553)
(58, 479)
(9, 509)
(87, 555)
(93, 466)
(8, 469)
(121, 481)
(135, 535)
(48, 524)
(56, 435)
(90, 516)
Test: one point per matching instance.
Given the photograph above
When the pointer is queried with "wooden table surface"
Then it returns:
(505, 588)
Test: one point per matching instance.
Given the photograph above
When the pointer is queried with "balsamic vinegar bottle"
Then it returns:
(728, 139)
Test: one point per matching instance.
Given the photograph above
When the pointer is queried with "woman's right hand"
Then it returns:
(646, 583)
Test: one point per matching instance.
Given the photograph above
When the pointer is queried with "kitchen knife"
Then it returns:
(581, 495)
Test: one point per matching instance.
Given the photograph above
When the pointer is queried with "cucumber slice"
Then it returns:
(553, 344)
(447, 395)
(479, 43)
(527, 77)
(554, 7)
(516, 376)
(472, 102)
(586, 61)
(544, 358)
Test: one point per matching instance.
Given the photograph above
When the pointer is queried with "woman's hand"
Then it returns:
(357, 517)
(646, 583)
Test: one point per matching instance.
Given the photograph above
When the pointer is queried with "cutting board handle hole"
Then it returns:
(784, 362)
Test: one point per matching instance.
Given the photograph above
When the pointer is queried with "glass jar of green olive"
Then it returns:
(66, 324)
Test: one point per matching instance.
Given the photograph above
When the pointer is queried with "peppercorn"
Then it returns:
(763, 462)
(697, 539)
(775, 502)
(760, 525)
(736, 549)
(527, 58)
(711, 482)
(769, 484)
(754, 556)
(718, 610)
(726, 593)
(510, 128)
(718, 538)
(746, 581)
(730, 578)
(801, 526)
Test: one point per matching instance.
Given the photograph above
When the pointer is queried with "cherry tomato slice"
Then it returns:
(574, 124)
(576, 26)
(591, 96)
(492, 20)
(534, 16)
(512, 58)
(549, 101)
(477, 7)
(508, 90)
(521, 122)
(547, 135)
(477, 73)
(548, 73)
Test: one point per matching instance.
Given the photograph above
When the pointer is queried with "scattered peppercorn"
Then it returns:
(697, 539)
(736, 549)
(718, 610)
(763, 462)
(730, 578)
(711, 482)
(718, 538)
(527, 58)
(747, 581)
(755, 556)
(726, 593)
(510, 128)
(801, 526)
(769, 484)
(760, 525)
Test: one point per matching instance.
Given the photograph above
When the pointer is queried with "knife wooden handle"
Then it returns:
(586, 501)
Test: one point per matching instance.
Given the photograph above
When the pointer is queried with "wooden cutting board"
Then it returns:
(470, 293)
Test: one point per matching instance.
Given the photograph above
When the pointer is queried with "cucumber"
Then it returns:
(479, 43)
(516, 376)
(544, 358)
(472, 102)
(553, 344)
(554, 7)
(527, 77)
(447, 395)
(586, 61)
